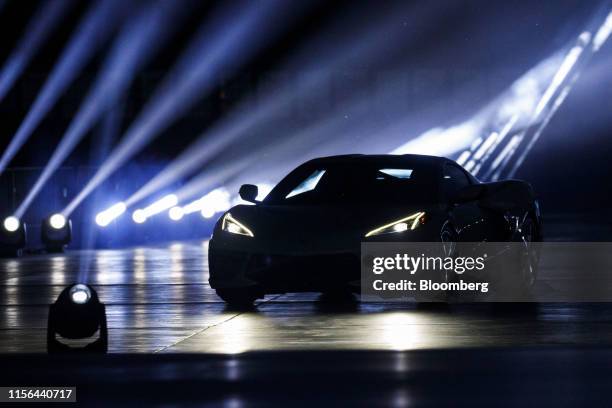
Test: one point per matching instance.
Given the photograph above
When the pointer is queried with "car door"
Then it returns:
(467, 218)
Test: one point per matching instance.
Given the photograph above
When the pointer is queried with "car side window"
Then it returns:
(454, 180)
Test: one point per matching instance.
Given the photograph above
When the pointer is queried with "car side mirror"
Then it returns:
(468, 194)
(248, 192)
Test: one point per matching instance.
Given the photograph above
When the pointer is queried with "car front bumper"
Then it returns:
(279, 273)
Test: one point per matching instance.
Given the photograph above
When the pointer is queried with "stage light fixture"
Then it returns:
(56, 233)
(142, 214)
(11, 224)
(77, 315)
(57, 221)
(208, 212)
(107, 216)
(176, 213)
(139, 216)
(12, 237)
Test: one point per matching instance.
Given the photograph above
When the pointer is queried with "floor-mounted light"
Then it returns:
(77, 315)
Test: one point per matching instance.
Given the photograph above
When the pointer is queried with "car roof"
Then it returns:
(383, 159)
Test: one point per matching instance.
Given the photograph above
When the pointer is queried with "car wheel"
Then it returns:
(448, 239)
(518, 269)
(241, 297)
(530, 256)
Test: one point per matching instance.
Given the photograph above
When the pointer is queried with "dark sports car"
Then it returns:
(306, 234)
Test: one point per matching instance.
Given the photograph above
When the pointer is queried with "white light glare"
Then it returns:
(80, 294)
(566, 66)
(214, 202)
(11, 224)
(442, 141)
(401, 227)
(208, 212)
(176, 213)
(105, 217)
(603, 33)
(57, 221)
(141, 215)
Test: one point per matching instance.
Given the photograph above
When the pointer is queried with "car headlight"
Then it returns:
(408, 223)
(233, 226)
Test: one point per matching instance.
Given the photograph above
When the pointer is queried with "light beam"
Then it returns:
(133, 48)
(89, 36)
(36, 32)
(224, 44)
(372, 46)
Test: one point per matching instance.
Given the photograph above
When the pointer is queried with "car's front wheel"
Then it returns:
(240, 297)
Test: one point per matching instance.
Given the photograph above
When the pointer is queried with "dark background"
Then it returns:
(451, 58)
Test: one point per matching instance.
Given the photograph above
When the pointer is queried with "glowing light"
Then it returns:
(176, 213)
(208, 212)
(193, 75)
(249, 114)
(91, 33)
(80, 294)
(603, 33)
(402, 226)
(505, 155)
(463, 158)
(36, 33)
(214, 202)
(568, 63)
(415, 219)
(486, 145)
(132, 48)
(139, 216)
(57, 221)
(442, 142)
(401, 331)
(11, 224)
(107, 216)
(142, 214)
(232, 225)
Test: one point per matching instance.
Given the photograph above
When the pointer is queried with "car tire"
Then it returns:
(531, 256)
(240, 297)
(518, 272)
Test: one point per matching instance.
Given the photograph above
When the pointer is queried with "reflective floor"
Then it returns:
(158, 300)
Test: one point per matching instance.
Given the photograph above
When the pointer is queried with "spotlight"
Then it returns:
(80, 294)
(176, 213)
(57, 221)
(12, 237)
(208, 212)
(107, 216)
(139, 216)
(77, 315)
(56, 233)
(142, 214)
(11, 224)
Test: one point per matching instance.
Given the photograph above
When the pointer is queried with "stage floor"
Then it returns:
(159, 301)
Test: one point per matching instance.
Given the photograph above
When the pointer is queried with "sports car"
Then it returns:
(306, 234)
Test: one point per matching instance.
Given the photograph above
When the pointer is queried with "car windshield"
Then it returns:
(355, 183)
